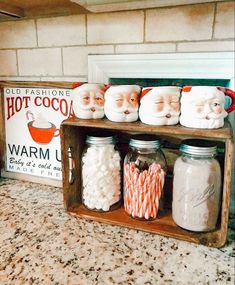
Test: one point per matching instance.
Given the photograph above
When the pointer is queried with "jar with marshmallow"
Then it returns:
(144, 176)
(101, 174)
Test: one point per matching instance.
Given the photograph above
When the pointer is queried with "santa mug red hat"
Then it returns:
(88, 100)
(160, 105)
(122, 103)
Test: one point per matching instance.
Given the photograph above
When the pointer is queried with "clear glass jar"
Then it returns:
(196, 186)
(101, 174)
(144, 176)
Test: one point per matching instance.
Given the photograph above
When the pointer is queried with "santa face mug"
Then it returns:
(203, 106)
(88, 101)
(122, 103)
(160, 105)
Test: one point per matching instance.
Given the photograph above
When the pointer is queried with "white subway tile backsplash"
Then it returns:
(18, 34)
(40, 62)
(56, 48)
(192, 22)
(65, 79)
(19, 78)
(224, 20)
(146, 48)
(8, 63)
(119, 27)
(206, 46)
(61, 31)
(75, 58)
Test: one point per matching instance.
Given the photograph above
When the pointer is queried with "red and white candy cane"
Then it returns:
(142, 190)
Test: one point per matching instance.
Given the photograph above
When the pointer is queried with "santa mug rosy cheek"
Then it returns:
(203, 106)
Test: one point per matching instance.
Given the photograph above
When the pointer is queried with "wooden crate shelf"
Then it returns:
(73, 136)
(178, 130)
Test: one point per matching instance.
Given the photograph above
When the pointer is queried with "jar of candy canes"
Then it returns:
(196, 186)
(144, 175)
(101, 174)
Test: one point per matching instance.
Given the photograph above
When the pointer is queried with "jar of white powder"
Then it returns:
(196, 186)
(101, 174)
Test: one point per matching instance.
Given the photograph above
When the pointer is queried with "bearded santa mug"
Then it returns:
(122, 103)
(160, 105)
(203, 106)
(88, 101)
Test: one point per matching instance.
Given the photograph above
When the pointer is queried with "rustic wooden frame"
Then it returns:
(24, 84)
(73, 137)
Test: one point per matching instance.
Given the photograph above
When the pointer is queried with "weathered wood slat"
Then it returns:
(222, 133)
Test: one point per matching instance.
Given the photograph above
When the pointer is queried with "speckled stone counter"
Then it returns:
(41, 244)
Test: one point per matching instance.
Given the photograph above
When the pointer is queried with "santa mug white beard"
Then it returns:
(125, 114)
(90, 112)
(122, 103)
(88, 101)
(160, 105)
(203, 106)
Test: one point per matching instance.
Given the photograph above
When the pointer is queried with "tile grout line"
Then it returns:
(214, 21)
(86, 30)
(62, 60)
(144, 27)
(17, 63)
(36, 31)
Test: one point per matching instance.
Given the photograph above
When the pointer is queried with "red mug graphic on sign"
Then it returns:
(41, 130)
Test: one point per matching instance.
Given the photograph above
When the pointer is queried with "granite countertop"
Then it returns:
(42, 244)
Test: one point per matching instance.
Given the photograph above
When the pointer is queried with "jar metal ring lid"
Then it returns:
(145, 141)
(198, 147)
(100, 140)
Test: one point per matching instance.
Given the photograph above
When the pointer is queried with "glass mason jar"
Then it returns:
(196, 186)
(101, 174)
(144, 176)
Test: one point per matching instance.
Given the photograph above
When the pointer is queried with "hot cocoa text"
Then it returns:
(38, 97)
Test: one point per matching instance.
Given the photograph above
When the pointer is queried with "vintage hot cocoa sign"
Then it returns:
(32, 128)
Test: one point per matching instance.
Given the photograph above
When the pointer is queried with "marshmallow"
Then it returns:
(41, 122)
(101, 177)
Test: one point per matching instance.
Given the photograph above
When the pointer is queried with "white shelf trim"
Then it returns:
(214, 65)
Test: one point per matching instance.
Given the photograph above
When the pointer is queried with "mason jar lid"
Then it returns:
(145, 141)
(99, 140)
(198, 147)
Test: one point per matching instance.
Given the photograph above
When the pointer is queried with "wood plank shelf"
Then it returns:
(222, 133)
(163, 225)
(73, 134)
